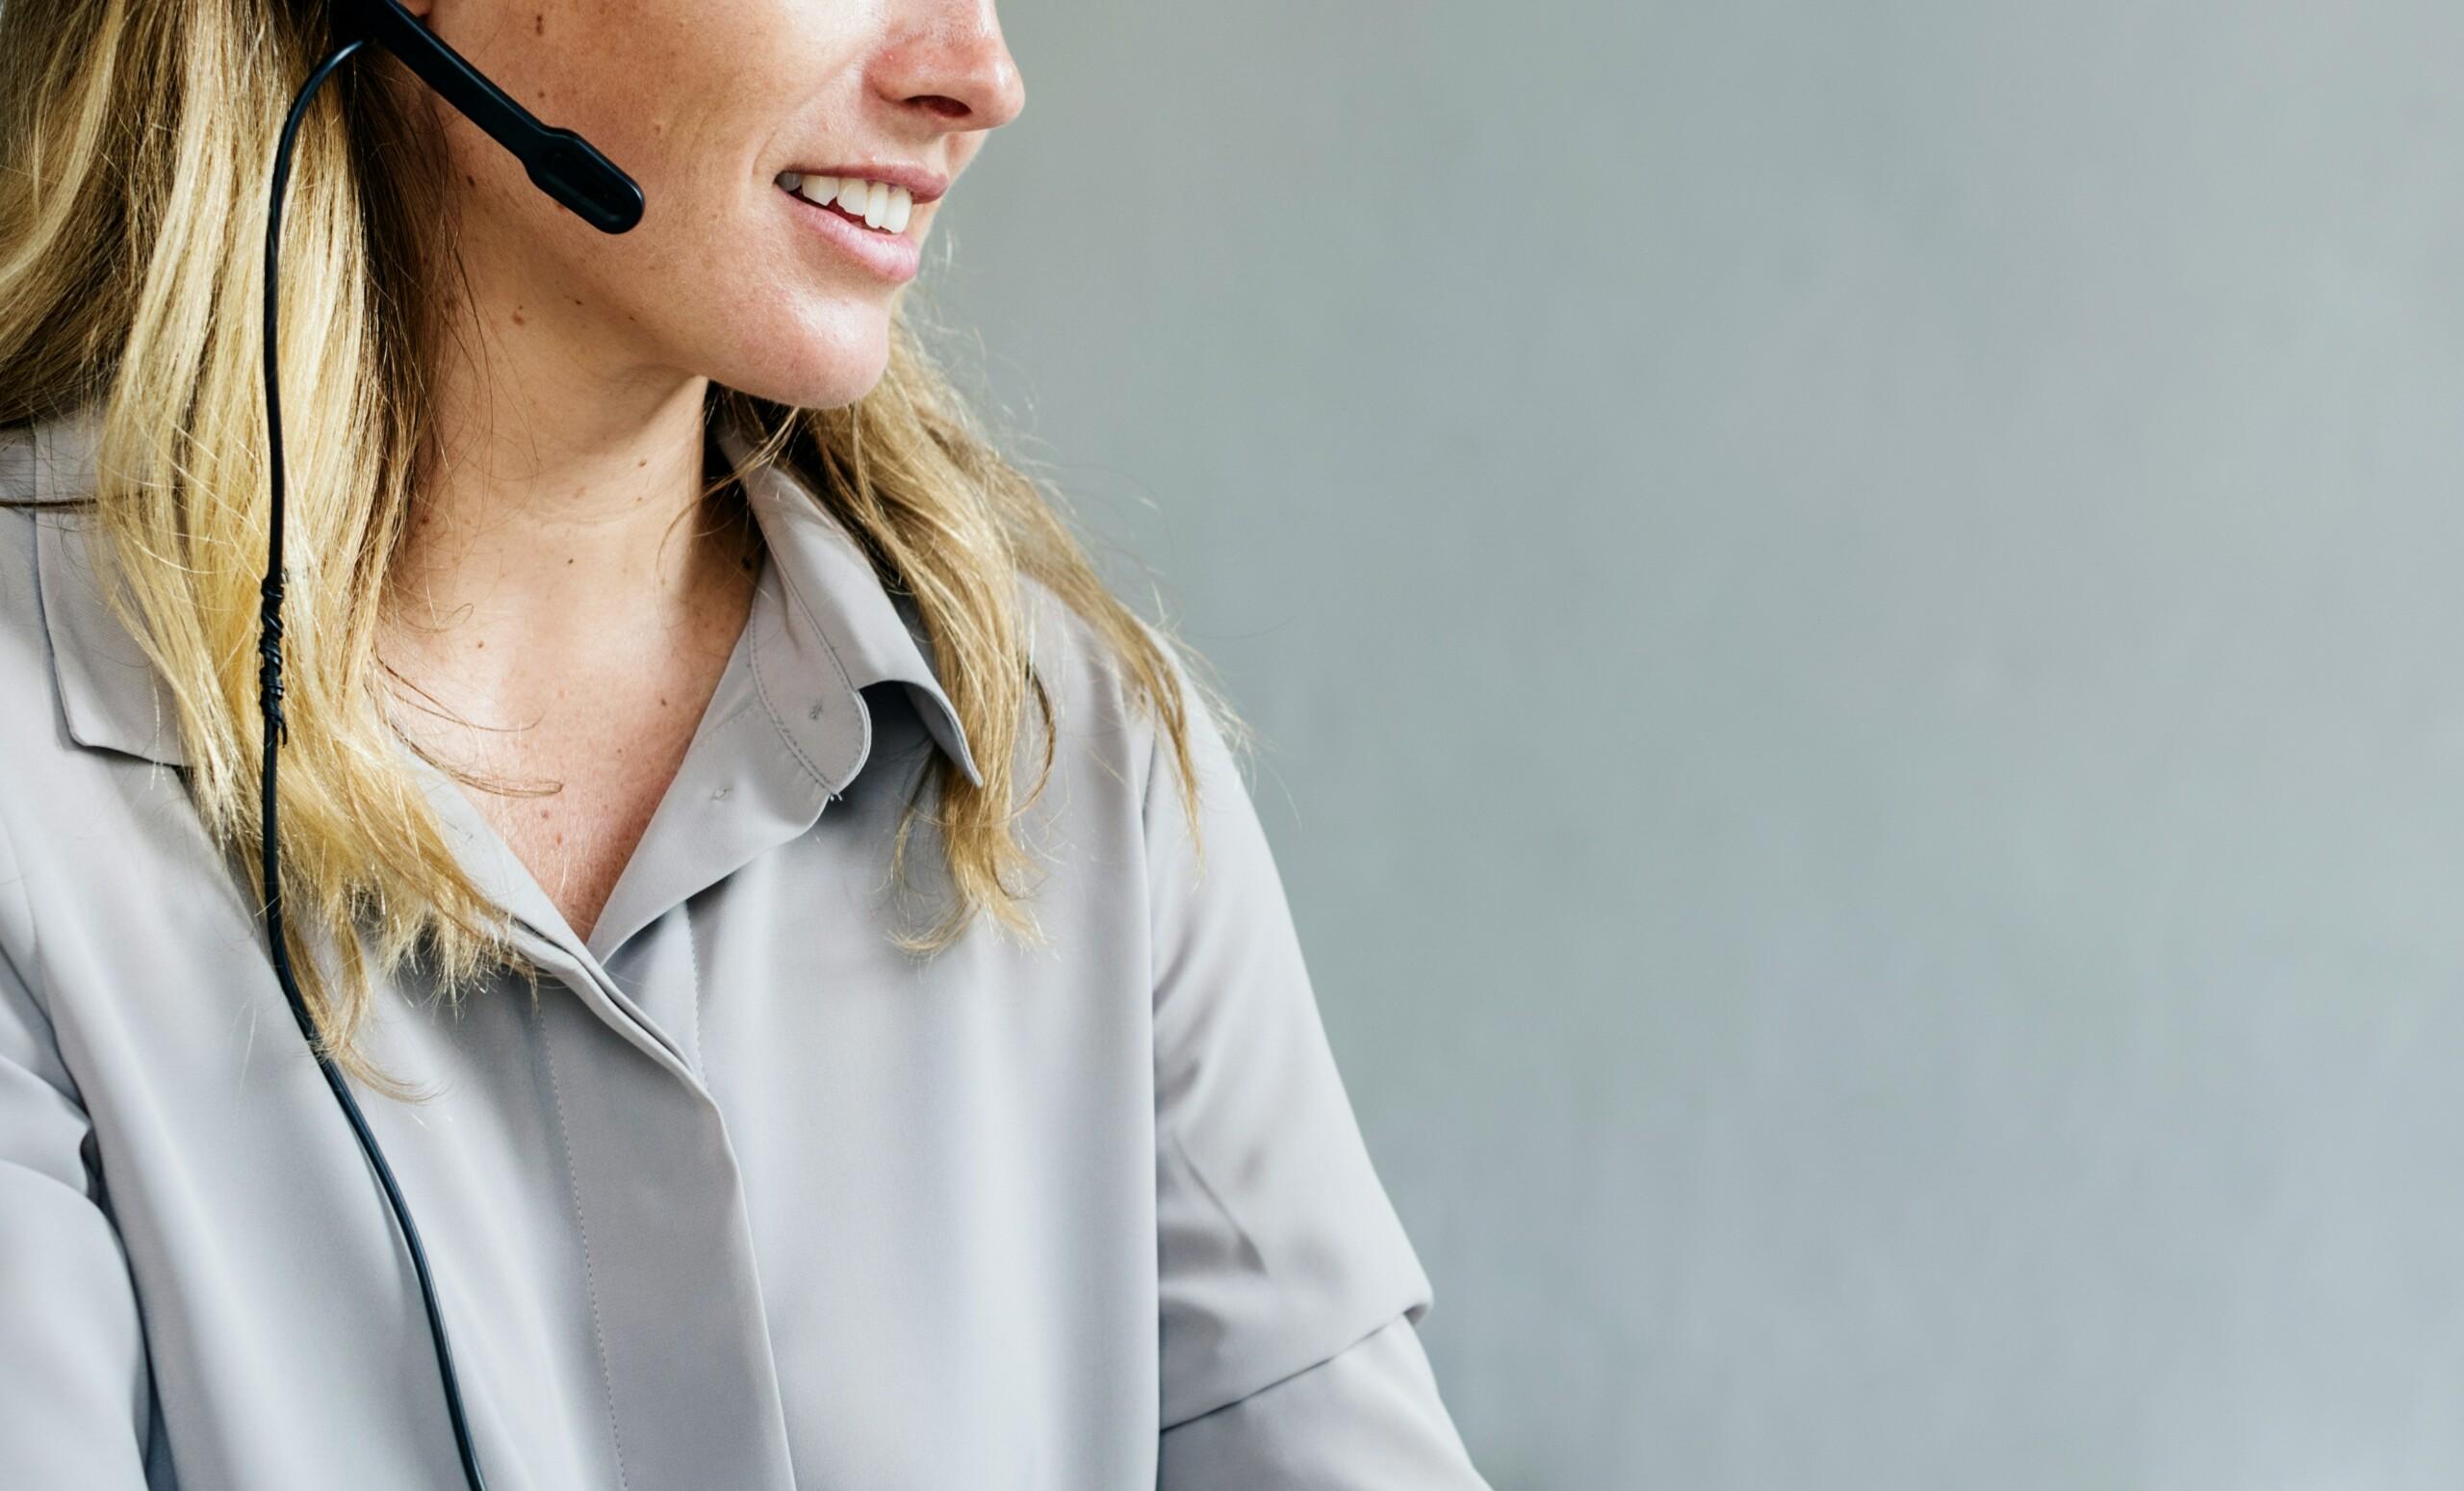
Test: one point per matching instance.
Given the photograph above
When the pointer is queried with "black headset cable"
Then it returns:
(270, 702)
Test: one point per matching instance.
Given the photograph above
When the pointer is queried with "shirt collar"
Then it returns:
(110, 692)
(845, 631)
(843, 624)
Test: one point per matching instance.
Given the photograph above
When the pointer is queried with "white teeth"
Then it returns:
(883, 207)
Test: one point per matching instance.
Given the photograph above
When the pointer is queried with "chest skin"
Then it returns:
(575, 752)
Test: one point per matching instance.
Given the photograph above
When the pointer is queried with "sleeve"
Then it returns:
(1289, 1294)
(74, 1399)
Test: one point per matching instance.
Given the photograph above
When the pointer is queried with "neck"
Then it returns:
(557, 526)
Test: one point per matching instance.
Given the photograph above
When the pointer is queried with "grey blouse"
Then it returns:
(748, 1200)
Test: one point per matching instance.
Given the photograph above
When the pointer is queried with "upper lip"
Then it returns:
(922, 185)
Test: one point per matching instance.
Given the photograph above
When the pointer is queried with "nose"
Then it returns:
(949, 60)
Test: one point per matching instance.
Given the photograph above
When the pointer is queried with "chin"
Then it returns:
(806, 368)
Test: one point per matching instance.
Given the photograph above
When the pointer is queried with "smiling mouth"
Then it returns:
(877, 206)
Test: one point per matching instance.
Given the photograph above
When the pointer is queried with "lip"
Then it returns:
(893, 256)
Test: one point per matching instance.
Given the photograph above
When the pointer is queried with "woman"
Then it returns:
(836, 1018)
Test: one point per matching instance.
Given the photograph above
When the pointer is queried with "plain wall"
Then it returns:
(1854, 610)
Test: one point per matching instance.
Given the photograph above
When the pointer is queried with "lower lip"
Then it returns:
(893, 256)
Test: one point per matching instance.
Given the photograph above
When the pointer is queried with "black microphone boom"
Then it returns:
(561, 163)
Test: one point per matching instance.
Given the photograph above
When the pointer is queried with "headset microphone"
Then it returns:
(561, 163)
(568, 168)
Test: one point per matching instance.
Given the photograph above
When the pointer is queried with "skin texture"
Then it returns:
(561, 615)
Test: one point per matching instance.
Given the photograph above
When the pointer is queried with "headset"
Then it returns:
(570, 169)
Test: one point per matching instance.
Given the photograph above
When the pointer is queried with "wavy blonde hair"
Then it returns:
(137, 141)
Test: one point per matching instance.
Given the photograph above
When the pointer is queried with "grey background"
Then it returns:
(1852, 608)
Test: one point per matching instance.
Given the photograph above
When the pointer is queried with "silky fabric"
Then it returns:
(747, 1197)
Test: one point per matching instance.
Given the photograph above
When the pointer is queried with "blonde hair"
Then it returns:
(136, 139)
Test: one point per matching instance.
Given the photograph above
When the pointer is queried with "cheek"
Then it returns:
(689, 97)
(653, 73)
(694, 101)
